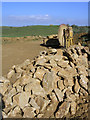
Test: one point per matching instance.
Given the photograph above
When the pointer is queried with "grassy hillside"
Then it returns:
(29, 31)
(36, 30)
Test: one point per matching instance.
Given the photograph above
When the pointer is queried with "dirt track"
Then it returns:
(18, 52)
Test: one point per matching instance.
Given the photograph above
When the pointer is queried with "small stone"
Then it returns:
(52, 51)
(87, 50)
(68, 54)
(31, 68)
(36, 88)
(16, 112)
(60, 52)
(4, 80)
(25, 80)
(76, 86)
(82, 70)
(79, 44)
(40, 115)
(18, 69)
(28, 112)
(59, 94)
(19, 88)
(53, 63)
(50, 36)
(46, 102)
(53, 97)
(47, 66)
(60, 84)
(84, 60)
(7, 100)
(71, 97)
(85, 93)
(40, 101)
(7, 109)
(43, 52)
(4, 115)
(84, 81)
(41, 61)
(78, 50)
(13, 67)
(15, 77)
(68, 91)
(34, 104)
(39, 74)
(25, 63)
(71, 71)
(68, 81)
(57, 57)
(56, 69)
(23, 99)
(73, 66)
(4, 84)
(48, 81)
(62, 73)
(12, 92)
(17, 82)
(45, 40)
(16, 99)
(73, 108)
(64, 58)
(10, 74)
(50, 110)
(63, 110)
(63, 63)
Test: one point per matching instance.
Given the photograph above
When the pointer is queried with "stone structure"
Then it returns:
(65, 35)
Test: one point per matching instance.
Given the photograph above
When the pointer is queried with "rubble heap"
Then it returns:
(53, 85)
(51, 40)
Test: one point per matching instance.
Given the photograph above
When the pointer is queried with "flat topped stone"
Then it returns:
(84, 81)
(48, 81)
(23, 99)
(63, 110)
(39, 74)
(59, 94)
(29, 112)
(36, 88)
(52, 51)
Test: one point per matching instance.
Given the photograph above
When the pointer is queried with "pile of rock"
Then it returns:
(51, 40)
(53, 85)
(21, 39)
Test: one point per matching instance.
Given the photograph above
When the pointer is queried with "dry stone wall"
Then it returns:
(53, 85)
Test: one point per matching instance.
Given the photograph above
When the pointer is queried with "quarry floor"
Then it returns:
(18, 52)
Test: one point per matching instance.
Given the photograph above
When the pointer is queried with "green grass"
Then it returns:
(29, 31)
(36, 30)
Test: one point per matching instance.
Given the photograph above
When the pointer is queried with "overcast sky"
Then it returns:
(44, 13)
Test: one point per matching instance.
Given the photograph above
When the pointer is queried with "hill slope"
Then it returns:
(37, 30)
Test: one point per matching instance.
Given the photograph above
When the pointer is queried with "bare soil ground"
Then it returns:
(17, 52)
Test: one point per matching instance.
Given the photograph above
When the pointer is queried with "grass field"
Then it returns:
(29, 31)
(37, 30)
